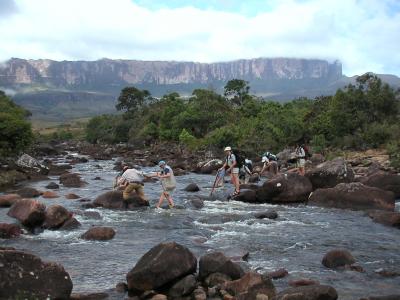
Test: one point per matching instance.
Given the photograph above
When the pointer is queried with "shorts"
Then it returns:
(235, 171)
(301, 163)
(170, 191)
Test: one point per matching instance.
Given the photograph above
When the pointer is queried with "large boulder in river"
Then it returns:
(8, 231)
(330, 173)
(28, 192)
(217, 262)
(285, 188)
(29, 212)
(31, 165)
(384, 181)
(248, 196)
(8, 200)
(71, 180)
(99, 234)
(56, 216)
(161, 266)
(192, 187)
(309, 292)
(114, 200)
(26, 276)
(353, 195)
(338, 258)
(209, 166)
(388, 218)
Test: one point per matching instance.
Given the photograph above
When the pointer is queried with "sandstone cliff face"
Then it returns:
(108, 72)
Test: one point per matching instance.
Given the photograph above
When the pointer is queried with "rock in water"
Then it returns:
(71, 180)
(52, 186)
(338, 258)
(250, 286)
(192, 187)
(269, 214)
(99, 234)
(330, 173)
(285, 188)
(386, 218)
(9, 199)
(310, 292)
(217, 262)
(8, 231)
(162, 265)
(29, 212)
(384, 181)
(56, 216)
(70, 224)
(183, 287)
(26, 276)
(28, 163)
(49, 195)
(353, 195)
(114, 200)
(28, 192)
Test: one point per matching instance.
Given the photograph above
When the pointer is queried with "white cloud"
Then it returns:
(363, 34)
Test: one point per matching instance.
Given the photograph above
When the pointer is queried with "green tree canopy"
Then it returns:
(131, 99)
(15, 131)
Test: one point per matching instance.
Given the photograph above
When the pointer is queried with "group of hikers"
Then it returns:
(240, 169)
(131, 181)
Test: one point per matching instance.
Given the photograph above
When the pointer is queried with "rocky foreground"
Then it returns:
(170, 270)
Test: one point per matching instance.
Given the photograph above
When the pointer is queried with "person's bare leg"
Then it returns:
(170, 201)
(161, 200)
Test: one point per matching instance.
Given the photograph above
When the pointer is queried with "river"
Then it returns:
(297, 240)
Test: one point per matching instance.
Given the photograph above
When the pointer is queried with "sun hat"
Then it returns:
(264, 159)
(161, 163)
(228, 149)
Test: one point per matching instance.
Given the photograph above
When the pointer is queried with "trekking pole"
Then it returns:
(217, 178)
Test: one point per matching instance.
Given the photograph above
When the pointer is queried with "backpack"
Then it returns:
(270, 156)
(307, 151)
(240, 162)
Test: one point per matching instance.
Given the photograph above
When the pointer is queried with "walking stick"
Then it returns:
(220, 173)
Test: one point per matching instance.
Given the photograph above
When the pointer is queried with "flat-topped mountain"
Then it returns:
(108, 73)
(66, 89)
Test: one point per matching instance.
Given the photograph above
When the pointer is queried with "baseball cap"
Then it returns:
(161, 163)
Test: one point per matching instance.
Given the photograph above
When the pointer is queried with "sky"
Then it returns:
(363, 34)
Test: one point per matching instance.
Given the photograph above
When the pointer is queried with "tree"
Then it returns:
(131, 99)
(237, 90)
(15, 132)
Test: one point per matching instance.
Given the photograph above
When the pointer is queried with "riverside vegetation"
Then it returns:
(361, 116)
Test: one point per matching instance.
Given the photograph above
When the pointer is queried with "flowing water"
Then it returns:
(297, 240)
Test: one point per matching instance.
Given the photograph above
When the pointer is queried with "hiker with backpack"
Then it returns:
(301, 159)
(232, 165)
(270, 163)
(246, 171)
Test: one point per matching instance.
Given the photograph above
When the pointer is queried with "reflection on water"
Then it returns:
(297, 240)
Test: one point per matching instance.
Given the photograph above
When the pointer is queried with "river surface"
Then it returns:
(296, 241)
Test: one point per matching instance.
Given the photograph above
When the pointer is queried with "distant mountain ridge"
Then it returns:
(63, 89)
(81, 74)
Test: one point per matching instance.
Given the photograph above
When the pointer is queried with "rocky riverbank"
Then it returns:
(331, 184)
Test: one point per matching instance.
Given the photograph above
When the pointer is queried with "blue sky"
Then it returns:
(363, 34)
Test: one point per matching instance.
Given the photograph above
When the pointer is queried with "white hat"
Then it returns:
(264, 159)
(228, 149)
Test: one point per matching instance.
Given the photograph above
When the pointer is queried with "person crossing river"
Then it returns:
(168, 183)
(232, 167)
